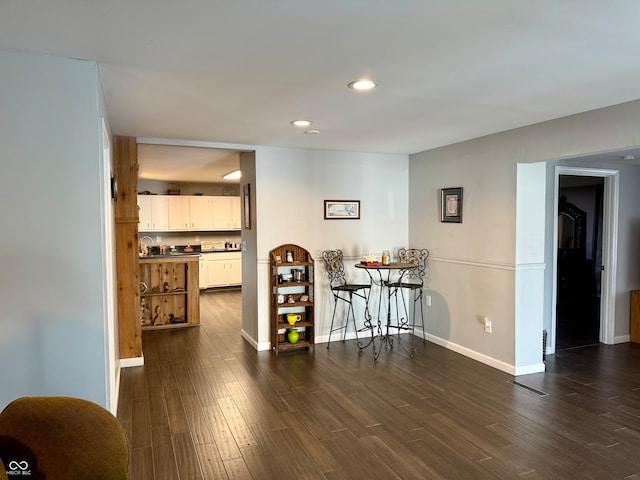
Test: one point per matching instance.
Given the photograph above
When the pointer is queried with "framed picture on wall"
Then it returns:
(246, 197)
(342, 209)
(451, 205)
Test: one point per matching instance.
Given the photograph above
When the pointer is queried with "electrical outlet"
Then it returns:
(197, 238)
(158, 239)
(428, 300)
(487, 325)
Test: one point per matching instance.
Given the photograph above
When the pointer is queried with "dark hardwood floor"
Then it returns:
(207, 405)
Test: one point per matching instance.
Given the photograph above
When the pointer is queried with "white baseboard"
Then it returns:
(487, 360)
(132, 362)
(258, 346)
(622, 339)
(480, 357)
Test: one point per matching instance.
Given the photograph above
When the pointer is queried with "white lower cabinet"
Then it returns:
(204, 273)
(223, 269)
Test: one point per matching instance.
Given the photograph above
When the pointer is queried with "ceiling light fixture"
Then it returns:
(233, 175)
(312, 132)
(363, 84)
(301, 123)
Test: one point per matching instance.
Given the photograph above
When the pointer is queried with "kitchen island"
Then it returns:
(169, 291)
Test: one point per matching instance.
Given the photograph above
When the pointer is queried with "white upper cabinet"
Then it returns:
(179, 215)
(224, 215)
(235, 213)
(144, 213)
(201, 213)
(153, 213)
(160, 213)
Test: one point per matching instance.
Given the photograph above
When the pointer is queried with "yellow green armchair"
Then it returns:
(61, 438)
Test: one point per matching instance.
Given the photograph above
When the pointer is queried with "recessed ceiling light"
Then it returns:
(232, 175)
(312, 132)
(301, 123)
(363, 84)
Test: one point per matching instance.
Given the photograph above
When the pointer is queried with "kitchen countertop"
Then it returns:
(176, 256)
(223, 250)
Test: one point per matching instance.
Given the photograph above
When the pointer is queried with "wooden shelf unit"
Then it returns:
(291, 290)
(172, 296)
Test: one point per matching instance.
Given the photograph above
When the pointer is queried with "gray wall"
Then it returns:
(474, 265)
(249, 252)
(51, 187)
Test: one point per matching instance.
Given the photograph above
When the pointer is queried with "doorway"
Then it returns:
(579, 264)
(584, 286)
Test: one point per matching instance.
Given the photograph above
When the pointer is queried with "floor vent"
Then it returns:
(531, 389)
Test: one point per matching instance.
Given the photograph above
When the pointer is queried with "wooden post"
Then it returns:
(635, 316)
(125, 153)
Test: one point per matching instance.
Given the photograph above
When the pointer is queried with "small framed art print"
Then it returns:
(451, 205)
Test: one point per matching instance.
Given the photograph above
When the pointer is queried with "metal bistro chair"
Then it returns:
(413, 282)
(343, 291)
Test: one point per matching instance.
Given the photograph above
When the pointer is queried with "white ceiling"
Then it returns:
(238, 71)
(186, 164)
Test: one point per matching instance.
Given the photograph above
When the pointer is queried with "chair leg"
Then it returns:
(419, 299)
(406, 309)
(335, 308)
(353, 318)
(424, 330)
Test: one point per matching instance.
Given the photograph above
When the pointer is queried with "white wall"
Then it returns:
(474, 267)
(291, 186)
(52, 275)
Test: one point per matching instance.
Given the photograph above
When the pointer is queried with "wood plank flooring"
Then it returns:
(208, 406)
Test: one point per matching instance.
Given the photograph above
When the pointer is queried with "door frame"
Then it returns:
(609, 249)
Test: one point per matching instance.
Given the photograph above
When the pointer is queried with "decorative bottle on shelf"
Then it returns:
(292, 335)
(385, 257)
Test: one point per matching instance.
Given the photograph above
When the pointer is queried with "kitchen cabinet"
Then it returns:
(144, 213)
(182, 213)
(203, 272)
(201, 213)
(224, 269)
(235, 213)
(179, 213)
(153, 213)
(226, 213)
(291, 294)
(169, 293)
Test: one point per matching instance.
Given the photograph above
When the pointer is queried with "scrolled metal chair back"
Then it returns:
(419, 257)
(334, 267)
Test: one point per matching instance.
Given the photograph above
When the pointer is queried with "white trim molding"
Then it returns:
(487, 360)
(132, 362)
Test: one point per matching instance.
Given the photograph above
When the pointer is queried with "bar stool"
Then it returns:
(412, 281)
(342, 291)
